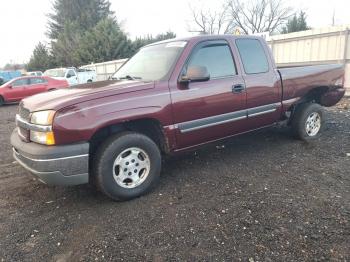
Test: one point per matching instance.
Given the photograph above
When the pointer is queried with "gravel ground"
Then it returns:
(259, 197)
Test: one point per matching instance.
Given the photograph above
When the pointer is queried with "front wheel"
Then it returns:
(307, 121)
(127, 165)
(2, 101)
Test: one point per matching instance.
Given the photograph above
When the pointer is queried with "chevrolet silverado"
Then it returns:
(171, 96)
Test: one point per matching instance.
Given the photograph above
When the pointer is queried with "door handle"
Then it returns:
(238, 88)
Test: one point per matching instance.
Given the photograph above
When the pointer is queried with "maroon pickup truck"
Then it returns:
(171, 96)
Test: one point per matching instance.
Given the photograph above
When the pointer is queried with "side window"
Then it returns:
(35, 81)
(253, 56)
(217, 58)
(71, 73)
(20, 82)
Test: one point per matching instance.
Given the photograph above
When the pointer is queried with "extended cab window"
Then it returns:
(217, 58)
(253, 56)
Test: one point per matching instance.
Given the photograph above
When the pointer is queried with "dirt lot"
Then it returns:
(259, 197)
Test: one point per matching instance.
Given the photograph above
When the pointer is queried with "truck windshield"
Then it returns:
(55, 73)
(151, 63)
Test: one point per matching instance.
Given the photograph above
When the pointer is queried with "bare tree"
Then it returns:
(255, 16)
(208, 21)
(250, 16)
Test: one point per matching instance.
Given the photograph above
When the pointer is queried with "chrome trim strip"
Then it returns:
(24, 124)
(51, 159)
(212, 121)
(262, 112)
(226, 118)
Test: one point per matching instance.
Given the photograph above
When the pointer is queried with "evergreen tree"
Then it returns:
(65, 48)
(105, 42)
(85, 31)
(149, 39)
(41, 59)
(296, 24)
(84, 13)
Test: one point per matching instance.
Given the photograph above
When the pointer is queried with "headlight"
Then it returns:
(339, 82)
(45, 138)
(44, 118)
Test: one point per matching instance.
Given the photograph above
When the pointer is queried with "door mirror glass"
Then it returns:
(195, 74)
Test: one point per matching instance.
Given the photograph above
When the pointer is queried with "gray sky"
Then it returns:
(23, 23)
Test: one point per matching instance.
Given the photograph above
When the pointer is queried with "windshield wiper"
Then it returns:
(129, 77)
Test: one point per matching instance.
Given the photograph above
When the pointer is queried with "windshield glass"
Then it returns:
(55, 72)
(151, 63)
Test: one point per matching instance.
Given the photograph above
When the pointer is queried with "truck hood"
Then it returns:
(62, 98)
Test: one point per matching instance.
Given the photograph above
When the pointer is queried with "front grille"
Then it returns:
(23, 134)
(24, 113)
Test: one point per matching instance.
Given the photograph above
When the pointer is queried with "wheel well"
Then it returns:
(149, 127)
(314, 95)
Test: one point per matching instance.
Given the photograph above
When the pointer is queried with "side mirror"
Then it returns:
(195, 74)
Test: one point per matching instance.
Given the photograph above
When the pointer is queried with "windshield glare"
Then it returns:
(151, 63)
(55, 72)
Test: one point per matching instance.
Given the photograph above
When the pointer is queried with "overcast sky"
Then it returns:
(23, 23)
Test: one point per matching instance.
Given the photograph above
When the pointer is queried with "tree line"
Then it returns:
(83, 32)
(87, 31)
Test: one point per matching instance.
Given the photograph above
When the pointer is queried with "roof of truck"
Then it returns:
(206, 37)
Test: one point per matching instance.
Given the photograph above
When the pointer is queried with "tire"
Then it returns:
(114, 169)
(89, 81)
(307, 122)
(2, 101)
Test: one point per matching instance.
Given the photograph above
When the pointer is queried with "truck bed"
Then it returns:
(298, 81)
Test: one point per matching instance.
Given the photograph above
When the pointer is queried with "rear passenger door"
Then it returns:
(37, 85)
(263, 85)
(205, 111)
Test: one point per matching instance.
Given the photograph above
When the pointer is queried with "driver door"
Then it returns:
(210, 110)
(72, 77)
(18, 89)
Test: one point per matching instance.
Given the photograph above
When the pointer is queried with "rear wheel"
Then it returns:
(2, 101)
(127, 165)
(307, 121)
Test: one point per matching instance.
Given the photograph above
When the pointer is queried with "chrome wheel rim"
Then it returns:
(131, 167)
(313, 124)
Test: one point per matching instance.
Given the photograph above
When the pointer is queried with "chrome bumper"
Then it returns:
(54, 165)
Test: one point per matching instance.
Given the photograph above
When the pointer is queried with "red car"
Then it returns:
(21, 87)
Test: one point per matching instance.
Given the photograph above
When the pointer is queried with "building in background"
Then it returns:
(317, 46)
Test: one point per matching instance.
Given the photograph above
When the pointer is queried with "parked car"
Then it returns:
(19, 88)
(35, 73)
(8, 75)
(170, 97)
(72, 75)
